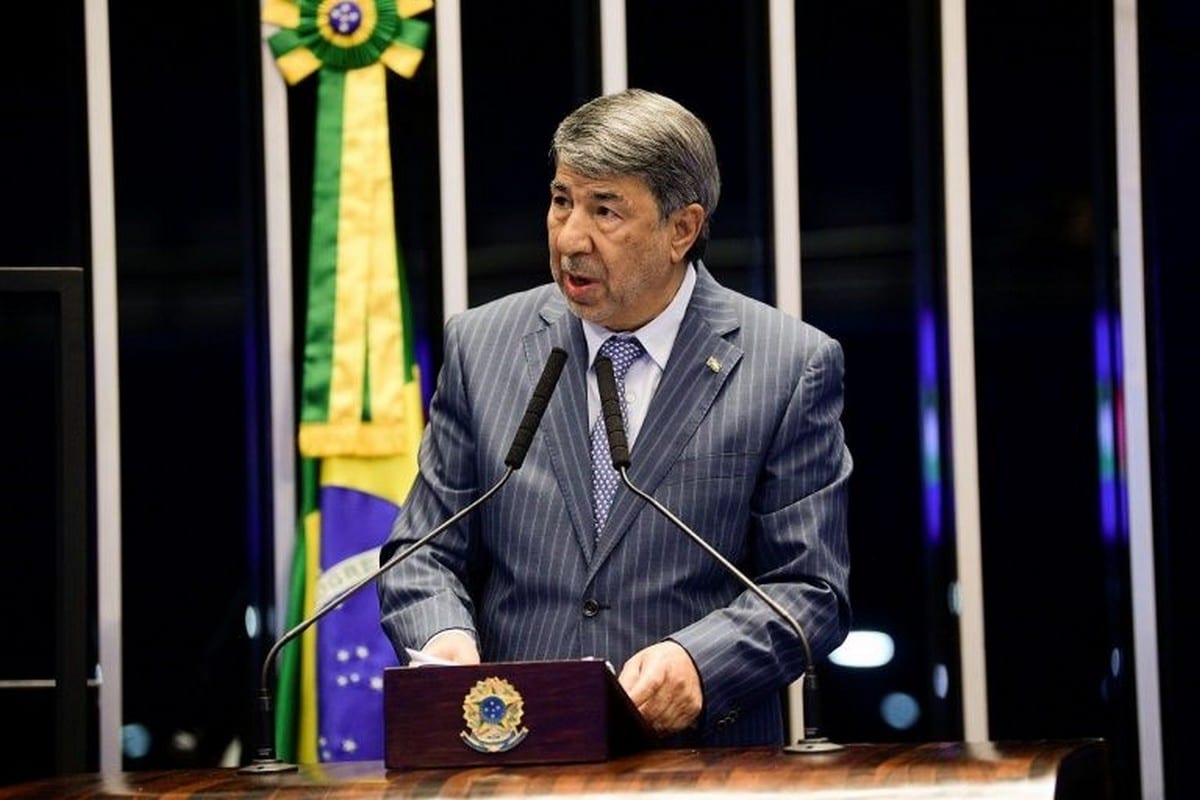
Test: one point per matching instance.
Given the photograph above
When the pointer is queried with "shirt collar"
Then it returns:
(657, 335)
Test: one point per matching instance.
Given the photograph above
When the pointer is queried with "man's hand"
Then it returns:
(453, 645)
(663, 683)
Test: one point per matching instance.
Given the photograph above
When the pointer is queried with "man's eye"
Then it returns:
(559, 201)
(605, 212)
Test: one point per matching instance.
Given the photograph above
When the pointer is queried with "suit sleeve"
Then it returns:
(429, 592)
(799, 554)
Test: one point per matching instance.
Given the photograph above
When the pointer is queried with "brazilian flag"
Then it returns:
(362, 414)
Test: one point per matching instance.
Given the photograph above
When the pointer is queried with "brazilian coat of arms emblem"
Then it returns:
(493, 710)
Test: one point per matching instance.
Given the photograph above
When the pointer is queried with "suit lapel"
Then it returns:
(701, 361)
(565, 424)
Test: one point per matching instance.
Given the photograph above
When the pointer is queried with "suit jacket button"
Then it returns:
(590, 608)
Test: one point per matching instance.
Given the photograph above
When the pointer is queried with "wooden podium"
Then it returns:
(567, 728)
(1064, 770)
(535, 712)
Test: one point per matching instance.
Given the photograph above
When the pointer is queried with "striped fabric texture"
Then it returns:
(742, 440)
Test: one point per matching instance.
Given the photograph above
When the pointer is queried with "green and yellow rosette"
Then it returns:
(360, 381)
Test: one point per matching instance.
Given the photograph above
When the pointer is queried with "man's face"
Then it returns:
(617, 263)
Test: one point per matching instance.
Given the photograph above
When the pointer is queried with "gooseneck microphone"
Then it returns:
(265, 760)
(614, 426)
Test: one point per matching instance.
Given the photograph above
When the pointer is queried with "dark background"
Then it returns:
(192, 321)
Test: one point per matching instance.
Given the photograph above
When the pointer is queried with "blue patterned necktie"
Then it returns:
(622, 352)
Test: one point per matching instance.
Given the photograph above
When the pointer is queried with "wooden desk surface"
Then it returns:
(1069, 769)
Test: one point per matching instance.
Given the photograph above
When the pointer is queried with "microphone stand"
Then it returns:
(265, 760)
(614, 424)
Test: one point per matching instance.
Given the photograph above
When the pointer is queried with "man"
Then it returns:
(732, 411)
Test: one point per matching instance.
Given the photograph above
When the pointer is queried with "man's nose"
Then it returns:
(573, 235)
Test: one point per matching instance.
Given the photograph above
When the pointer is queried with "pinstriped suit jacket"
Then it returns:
(752, 457)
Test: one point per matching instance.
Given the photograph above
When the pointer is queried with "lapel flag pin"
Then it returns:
(713, 364)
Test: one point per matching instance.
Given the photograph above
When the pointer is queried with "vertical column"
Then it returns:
(447, 29)
(277, 192)
(107, 423)
(614, 63)
(960, 334)
(785, 208)
(1135, 390)
(785, 169)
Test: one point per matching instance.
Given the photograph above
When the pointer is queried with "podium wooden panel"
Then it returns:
(572, 711)
(1064, 770)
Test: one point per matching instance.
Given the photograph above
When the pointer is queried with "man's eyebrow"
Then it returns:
(599, 195)
(607, 196)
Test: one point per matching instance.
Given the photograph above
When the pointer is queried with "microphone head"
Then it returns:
(537, 406)
(610, 410)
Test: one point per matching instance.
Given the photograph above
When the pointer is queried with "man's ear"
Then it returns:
(686, 224)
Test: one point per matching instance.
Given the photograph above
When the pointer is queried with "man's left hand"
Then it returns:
(663, 683)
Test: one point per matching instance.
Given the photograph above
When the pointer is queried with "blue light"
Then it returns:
(1109, 425)
(941, 681)
(135, 740)
(252, 622)
(899, 710)
(930, 421)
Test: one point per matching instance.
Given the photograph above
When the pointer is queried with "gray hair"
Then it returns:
(647, 136)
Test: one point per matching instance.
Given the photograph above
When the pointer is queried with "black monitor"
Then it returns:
(44, 574)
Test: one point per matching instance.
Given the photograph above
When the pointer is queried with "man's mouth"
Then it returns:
(580, 288)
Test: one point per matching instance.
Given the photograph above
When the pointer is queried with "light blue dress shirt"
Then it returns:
(658, 337)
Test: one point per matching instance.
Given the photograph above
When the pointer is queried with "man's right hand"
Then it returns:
(453, 645)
